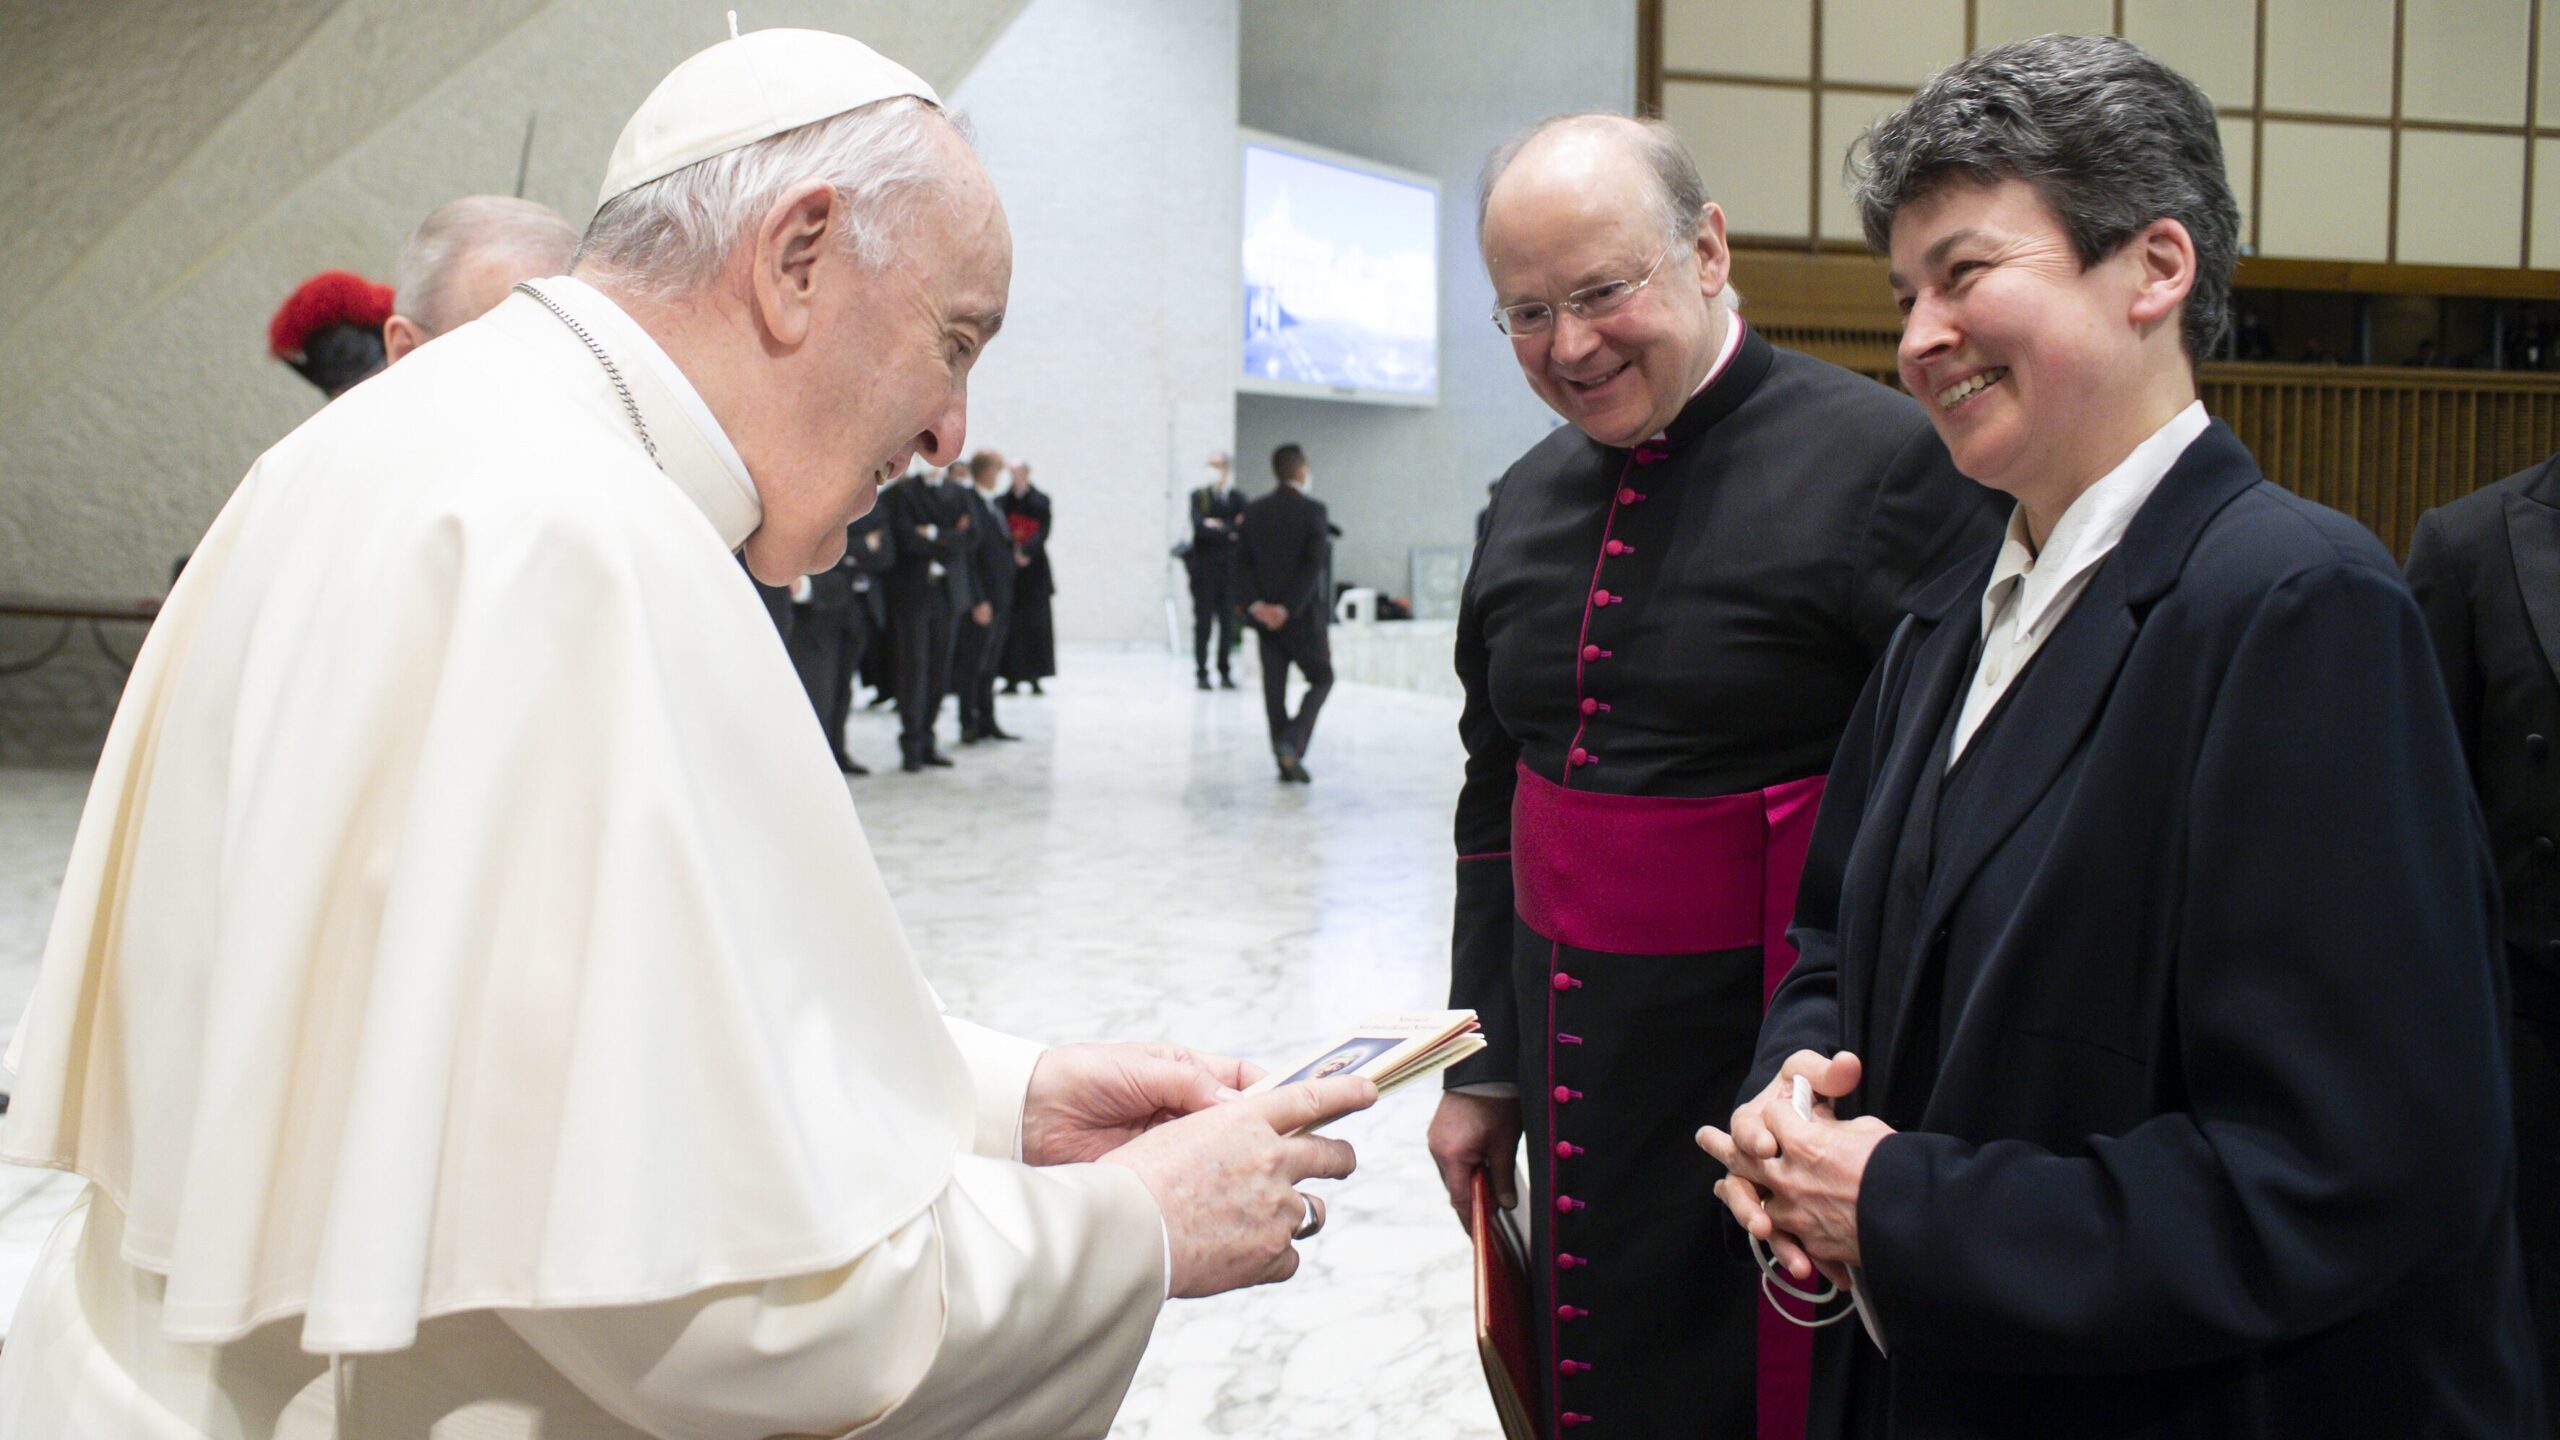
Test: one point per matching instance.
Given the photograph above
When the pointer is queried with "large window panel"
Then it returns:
(2547, 94)
(2465, 60)
(2546, 204)
(2239, 163)
(1890, 42)
(2326, 190)
(2212, 42)
(1996, 22)
(2461, 199)
(1739, 37)
(1750, 142)
(2331, 57)
(1844, 119)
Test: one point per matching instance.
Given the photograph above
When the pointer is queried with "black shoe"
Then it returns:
(883, 698)
(912, 764)
(1201, 680)
(937, 759)
(847, 764)
(1008, 688)
(1036, 690)
(996, 732)
(1290, 770)
(1225, 682)
(972, 736)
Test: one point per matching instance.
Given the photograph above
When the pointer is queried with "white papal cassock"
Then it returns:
(474, 1004)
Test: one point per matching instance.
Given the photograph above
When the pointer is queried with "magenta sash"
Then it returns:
(1660, 874)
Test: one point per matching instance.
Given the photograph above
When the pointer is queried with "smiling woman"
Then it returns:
(2147, 931)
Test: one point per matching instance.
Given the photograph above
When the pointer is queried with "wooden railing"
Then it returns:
(2383, 445)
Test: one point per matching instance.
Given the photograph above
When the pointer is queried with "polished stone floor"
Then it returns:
(1131, 870)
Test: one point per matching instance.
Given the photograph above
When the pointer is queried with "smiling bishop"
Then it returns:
(1676, 600)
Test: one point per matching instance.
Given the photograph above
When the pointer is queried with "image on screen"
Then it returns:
(1341, 279)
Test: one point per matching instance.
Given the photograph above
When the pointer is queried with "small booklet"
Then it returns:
(1394, 1051)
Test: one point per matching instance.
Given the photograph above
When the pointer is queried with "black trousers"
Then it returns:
(826, 648)
(1213, 605)
(976, 654)
(1303, 643)
(923, 624)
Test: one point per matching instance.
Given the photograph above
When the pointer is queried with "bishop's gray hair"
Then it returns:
(422, 279)
(1677, 195)
(2111, 138)
(675, 233)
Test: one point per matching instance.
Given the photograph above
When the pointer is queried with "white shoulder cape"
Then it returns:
(466, 912)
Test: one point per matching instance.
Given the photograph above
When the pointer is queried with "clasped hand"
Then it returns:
(1793, 1182)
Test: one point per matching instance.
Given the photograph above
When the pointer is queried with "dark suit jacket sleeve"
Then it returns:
(1804, 1014)
(1202, 536)
(1480, 938)
(2342, 1064)
(2444, 597)
(1306, 577)
(1923, 517)
(866, 559)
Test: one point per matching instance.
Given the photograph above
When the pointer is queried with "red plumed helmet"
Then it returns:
(332, 297)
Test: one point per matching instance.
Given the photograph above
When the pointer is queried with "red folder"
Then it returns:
(1503, 1337)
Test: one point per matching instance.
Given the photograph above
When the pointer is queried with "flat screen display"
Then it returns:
(1341, 276)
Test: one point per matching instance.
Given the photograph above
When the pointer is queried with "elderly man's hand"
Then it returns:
(1268, 615)
(982, 613)
(1794, 1181)
(1226, 1180)
(1087, 1100)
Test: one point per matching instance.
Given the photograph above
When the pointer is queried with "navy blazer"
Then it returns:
(2213, 1138)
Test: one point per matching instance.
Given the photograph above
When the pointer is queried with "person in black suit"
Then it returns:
(982, 626)
(1211, 559)
(1031, 638)
(1281, 541)
(2486, 570)
(929, 586)
(835, 614)
(2147, 994)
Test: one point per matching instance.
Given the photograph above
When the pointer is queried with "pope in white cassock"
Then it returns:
(477, 1012)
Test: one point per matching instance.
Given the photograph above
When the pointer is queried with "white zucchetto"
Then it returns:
(748, 88)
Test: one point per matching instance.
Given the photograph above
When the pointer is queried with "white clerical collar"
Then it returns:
(723, 489)
(1724, 356)
(2089, 528)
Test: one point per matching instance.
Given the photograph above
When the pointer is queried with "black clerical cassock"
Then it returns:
(1659, 649)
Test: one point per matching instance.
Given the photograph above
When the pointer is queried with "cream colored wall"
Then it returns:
(197, 160)
(2318, 188)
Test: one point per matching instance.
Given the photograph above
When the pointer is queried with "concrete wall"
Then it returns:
(198, 159)
(1430, 85)
(1109, 126)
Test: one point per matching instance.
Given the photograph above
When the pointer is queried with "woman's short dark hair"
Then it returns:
(2111, 138)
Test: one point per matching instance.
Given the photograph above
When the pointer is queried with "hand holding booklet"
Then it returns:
(1393, 1051)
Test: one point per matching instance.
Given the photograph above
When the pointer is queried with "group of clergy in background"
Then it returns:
(943, 590)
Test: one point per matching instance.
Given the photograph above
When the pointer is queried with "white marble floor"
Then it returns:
(1131, 870)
